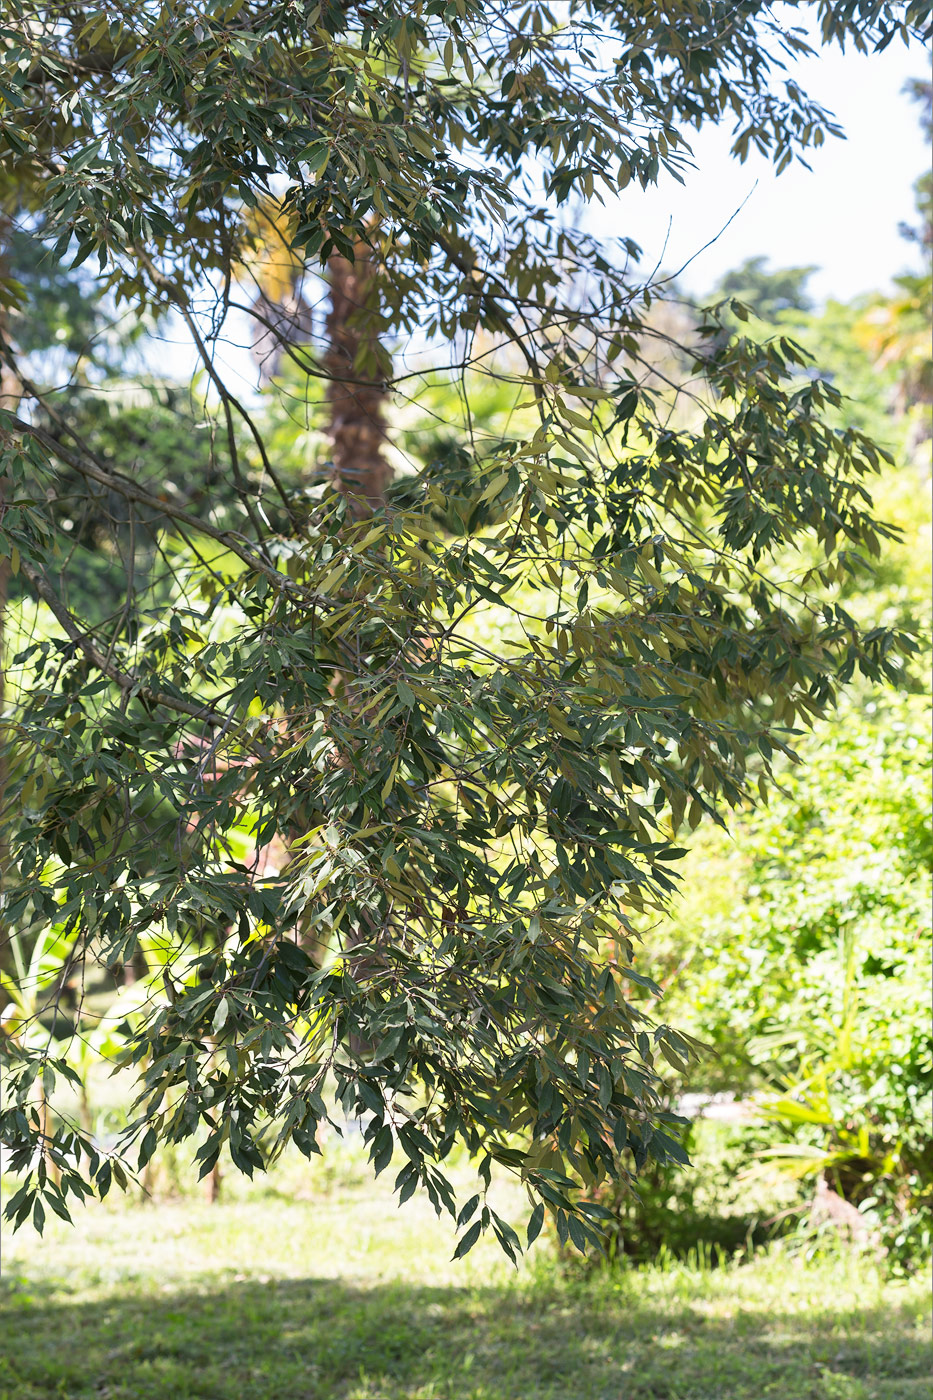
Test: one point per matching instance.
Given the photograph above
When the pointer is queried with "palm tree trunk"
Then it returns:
(357, 391)
(357, 397)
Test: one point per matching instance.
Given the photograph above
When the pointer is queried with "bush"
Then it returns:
(807, 967)
(706, 1213)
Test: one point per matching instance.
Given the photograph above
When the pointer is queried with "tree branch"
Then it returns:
(92, 470)
(126, 680)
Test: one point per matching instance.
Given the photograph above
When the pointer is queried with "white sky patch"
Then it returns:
(842, 214)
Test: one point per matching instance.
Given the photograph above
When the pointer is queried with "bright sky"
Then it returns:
(841, 215)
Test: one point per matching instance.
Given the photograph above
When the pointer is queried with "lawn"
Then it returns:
(315, 1295)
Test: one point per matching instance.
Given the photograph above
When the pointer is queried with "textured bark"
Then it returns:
(356, 397)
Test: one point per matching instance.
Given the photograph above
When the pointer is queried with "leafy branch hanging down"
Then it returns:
(380, 768)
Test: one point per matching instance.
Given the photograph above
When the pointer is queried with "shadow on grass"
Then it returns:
(317, 1339)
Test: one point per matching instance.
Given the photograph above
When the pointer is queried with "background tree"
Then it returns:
(896, 328)
(487, 739)
(799, 946)
(766, 292)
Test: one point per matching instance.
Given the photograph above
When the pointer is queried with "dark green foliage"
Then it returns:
(705, 1213)
(384, 801)
(63, 314)
(148, 432)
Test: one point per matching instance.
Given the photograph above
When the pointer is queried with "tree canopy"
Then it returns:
(377, 772)
(766, 292)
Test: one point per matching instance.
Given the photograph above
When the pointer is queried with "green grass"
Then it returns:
(335, 1293)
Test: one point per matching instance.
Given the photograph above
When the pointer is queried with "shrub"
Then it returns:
(807, 968)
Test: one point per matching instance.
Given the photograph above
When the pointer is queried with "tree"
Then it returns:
(766, 292)
(474, 746)
(896, 328)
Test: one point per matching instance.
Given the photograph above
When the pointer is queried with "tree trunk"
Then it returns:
(357, 397)
(357, 391)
